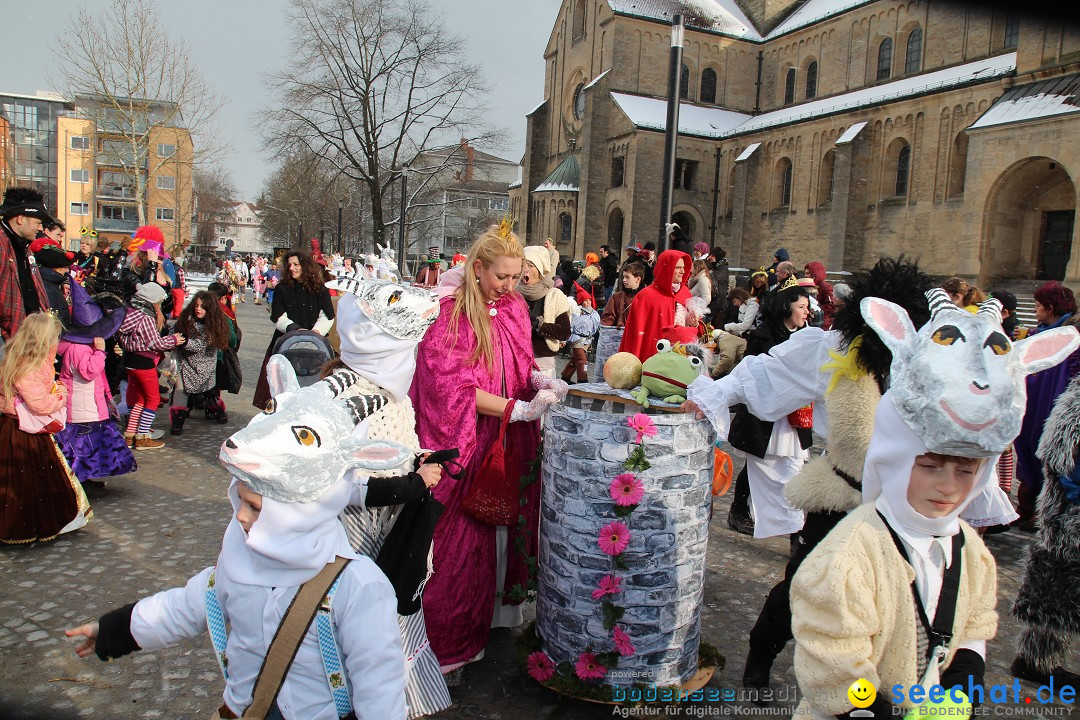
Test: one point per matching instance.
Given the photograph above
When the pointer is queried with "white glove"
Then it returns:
(540, 381)
(529, 411)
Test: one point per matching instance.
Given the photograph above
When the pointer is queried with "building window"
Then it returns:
(166, 182)
(617, 165)
(708, 86)
(789, 87)
(499, 203)
(566, 228)
(615, 228)
(80, 176)
(80, 209)
(884, 59)
(811, 81)
(80, 142)
(116, 185)
(115, 212)
(165, 214)
(579, 103)
(958, 165)
(165, 150)
(782, 184)
(903, 170)
(1012, 31)
(685, 174)
(579, 19)
(684, 82)
(913, 61)
(825, 179)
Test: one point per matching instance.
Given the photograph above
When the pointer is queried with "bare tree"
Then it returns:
(214, 190)
(137, 83)
(371, 84)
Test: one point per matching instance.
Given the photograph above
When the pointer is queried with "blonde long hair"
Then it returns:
(33, 343)
(469, 299)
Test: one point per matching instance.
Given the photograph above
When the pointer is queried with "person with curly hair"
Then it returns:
(301, 300)
(208, 331)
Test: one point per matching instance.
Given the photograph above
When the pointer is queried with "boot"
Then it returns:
(143, 442)
(129, 440)
(756, 677)
(177, 416)
(1026, 670)
(220, 415)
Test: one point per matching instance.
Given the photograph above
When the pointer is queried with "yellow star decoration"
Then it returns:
(845, 365)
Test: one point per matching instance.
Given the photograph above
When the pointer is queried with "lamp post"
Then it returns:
(340, 209)
(671, 137)
(401, 218)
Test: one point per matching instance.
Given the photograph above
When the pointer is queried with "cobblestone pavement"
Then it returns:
(157, 527)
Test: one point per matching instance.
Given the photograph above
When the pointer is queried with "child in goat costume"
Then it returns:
(380, 322)
(955, 402)
(295, 456)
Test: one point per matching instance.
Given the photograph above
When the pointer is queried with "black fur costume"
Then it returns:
(1048, 603)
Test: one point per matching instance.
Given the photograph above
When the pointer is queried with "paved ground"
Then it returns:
(155, 528)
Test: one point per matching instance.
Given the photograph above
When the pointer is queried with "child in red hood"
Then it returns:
(816, 271)
(656, 306)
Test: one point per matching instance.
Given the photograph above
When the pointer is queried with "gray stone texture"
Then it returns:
(584, 451)
(607, 344)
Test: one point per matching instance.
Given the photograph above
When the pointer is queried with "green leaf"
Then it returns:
(608, 659)
(612, 614)
(624, 510)
(565, 668)
(620, 563)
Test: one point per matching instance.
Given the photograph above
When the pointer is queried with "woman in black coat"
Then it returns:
(301, 300)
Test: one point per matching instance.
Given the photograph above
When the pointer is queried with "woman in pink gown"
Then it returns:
(459, 391)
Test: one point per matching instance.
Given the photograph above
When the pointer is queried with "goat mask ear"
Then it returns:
(1046, 349)
(280, 376)
(889, 321)
(374, 455)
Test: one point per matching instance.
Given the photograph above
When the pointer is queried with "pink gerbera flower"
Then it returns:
(626, 490)
(614, 538)
(609, 585)
(643, 424)
(540, 667)
(588, 668)
(622, 642)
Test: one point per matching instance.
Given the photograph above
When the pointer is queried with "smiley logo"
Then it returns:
(861, 693)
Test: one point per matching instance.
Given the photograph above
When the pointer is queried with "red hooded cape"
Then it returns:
(654, 307)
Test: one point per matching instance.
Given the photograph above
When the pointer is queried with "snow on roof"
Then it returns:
(813, 11)
(566, 177)
(596, 79)
(973, 72)
(542, 104)
(651, 113)
(1046, 98)
(851, 133)
(745, 154)
(719, 16)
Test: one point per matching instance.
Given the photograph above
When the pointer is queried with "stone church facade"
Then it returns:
(842, 130)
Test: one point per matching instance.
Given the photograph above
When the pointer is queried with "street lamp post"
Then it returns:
(401, 219)
(340, 209)
(671, 138)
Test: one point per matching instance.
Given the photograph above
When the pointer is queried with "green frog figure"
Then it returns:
(666, 374)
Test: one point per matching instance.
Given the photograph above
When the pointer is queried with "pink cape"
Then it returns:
(459, 598)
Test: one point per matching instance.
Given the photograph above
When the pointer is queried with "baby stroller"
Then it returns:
(307, 351)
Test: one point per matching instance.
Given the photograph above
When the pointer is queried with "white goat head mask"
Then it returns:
(959, 383)
(301, 445)
(402, 311)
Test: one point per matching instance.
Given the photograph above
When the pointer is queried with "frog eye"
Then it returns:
(306, 436)
(663, 345)
(695, 361)
(271, 406)
(947, 335)
(998, 343)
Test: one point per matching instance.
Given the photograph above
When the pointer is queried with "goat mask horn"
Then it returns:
(939, 301)
(991, 307)
(362, 406)
(339, 381)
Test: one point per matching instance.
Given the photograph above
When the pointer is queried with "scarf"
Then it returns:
(538, 289)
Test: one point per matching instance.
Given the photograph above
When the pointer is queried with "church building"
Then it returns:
(842, 130)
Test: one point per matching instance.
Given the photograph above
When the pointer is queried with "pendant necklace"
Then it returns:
(491, 309)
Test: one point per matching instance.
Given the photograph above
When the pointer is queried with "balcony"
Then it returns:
(122, 226)
(116, 192)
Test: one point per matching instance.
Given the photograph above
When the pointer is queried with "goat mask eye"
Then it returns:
(947, 335)
(998, 343)
(306, 436)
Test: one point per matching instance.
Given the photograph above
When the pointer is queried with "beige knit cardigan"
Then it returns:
(854, 617)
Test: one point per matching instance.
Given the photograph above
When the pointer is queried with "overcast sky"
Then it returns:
(236, 41)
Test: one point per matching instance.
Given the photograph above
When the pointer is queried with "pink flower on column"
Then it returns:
(614, 538)
(540, 667)
(622, 642)
(588, 668)
(643, 424)
(626, 490)
(609, 585)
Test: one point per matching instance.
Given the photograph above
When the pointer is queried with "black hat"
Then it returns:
(1006, 298)
(24, 201)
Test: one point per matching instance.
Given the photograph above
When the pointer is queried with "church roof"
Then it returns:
(564, 178)
(813, 11)
(1046, 98)
(719, 16)
(696, 120)
(715, 122)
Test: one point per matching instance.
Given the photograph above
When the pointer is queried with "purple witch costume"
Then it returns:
(459, 599)
(91, 441)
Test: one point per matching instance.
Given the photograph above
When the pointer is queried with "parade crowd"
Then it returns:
(934, 404)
